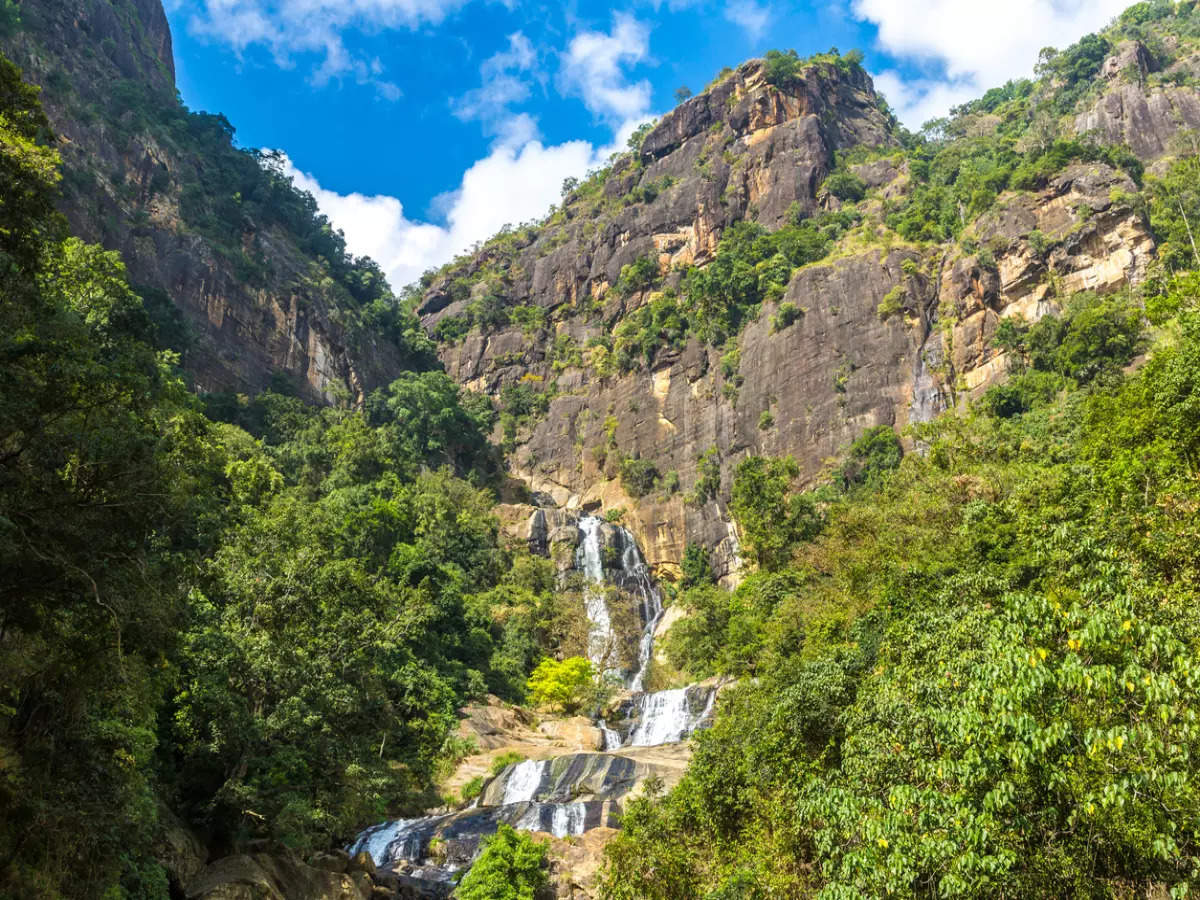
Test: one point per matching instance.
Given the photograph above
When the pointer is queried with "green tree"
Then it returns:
(772, 517)
(566, 685)
(512, 866)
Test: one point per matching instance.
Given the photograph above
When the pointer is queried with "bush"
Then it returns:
(892, 303)
(782, 69)
(506, 759)
(472, 789)
(786, 316)
(511, 866)
(638, 476)
(846, 186)
(697, 567)
(870, 457)
(639, 275)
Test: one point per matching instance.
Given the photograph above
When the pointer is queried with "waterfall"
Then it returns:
(558, 819)
(635, 569)
(544, 794)
(666, 717)
(403, 839)
(523, 781)
(633, 576)
(588, 559)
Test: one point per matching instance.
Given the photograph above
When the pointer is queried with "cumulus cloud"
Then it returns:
(968, 47)
(290, 28)
(593, 69)
(514, 183)
(503, 82)
(751, 17)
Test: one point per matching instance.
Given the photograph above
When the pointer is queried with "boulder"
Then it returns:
(262, 876)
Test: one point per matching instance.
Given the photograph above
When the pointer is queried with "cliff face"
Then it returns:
(143, 177)
(742, 150)
(882, 332)
(1143, 104)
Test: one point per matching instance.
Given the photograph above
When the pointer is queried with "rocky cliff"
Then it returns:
(247, 294)
(883, 330)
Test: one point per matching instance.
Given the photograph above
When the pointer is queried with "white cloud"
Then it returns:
(516, 182)
(751, 17)
(289, 28)
(972, 46)
(501, 86)
(592, 68)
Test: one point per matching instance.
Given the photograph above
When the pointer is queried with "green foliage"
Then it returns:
(708, 477)
(696, 566)
(451, 329)
(506, 759)
(1074, 69)
(781, 68)
(472, 789)
(564, 685)
(979, 679)
(772, 519)
(638, 476)
(955, 181)
(870, 458)
(1175, 213)
(892, 303)
(845, 185)
(637, 276)
(1094, 338)
(654, 326)
(785, 316)
(750, 265)
(269, 621)
(512, 866)
(10, 17)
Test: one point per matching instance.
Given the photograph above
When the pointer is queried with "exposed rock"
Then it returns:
(178, 849)
(1091, 239)
(577, 733)
(1130, 112)
(336, 860)
(361, 863)
(575, 863)
(124, 189)
(262, 876)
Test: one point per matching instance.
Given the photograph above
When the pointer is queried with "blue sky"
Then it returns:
(421, 126)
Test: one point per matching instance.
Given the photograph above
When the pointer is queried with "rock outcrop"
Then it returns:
(108, 87)
(880, 333)
(1083, 232)
(1146, 117)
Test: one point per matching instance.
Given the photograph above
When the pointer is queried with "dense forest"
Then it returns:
(262, 614)
(963, 664)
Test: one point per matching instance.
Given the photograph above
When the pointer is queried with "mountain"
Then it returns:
(875, 305)
(248, 281)
(804, 508)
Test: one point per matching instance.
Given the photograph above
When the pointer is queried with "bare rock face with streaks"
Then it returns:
(1130, 110)
(130, 156)
(882, 333)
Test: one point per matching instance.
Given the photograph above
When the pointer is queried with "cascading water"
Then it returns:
(652, 609)
(523, 781)
(633, 576)
(588, 559)
(540, 795)
(666, 717)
